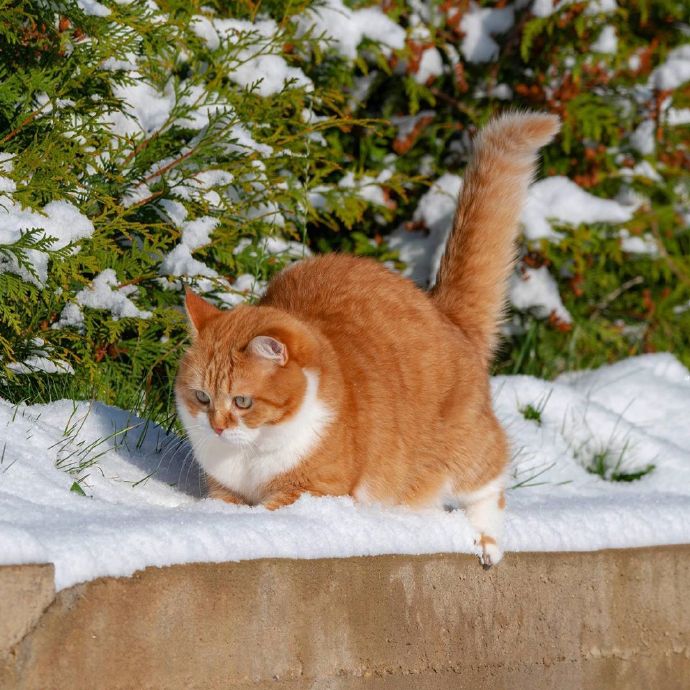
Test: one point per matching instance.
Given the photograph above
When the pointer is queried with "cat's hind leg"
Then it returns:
(484, 509)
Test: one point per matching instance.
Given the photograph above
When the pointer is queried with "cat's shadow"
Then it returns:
(160, 454)
(172, 462)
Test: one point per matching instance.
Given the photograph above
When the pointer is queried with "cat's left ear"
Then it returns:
(269, 348)
(199, 311)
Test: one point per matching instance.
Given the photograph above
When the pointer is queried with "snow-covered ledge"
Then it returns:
(98, 492)
(607, 619)
(329, 593)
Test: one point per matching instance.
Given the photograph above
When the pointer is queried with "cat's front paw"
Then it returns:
(281, 499)
(490, 552)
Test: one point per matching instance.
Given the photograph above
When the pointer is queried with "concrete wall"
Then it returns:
(609, 619)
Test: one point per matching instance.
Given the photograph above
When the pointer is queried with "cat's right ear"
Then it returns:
(199, 311)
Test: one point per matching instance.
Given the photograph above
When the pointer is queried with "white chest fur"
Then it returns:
(276, 449)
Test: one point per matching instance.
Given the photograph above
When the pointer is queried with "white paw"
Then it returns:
(490, 553)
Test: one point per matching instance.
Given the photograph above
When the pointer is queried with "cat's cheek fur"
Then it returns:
(274, 449)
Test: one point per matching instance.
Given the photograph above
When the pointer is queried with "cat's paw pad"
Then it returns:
(490, 552)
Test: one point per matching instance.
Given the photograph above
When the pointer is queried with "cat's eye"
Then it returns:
(244, 402)
(202, 397)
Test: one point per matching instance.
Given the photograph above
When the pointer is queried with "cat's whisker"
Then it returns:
(188, 457)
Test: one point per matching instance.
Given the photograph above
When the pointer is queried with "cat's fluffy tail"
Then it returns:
(480, 253)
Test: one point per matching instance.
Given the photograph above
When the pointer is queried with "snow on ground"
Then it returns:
(142, 504)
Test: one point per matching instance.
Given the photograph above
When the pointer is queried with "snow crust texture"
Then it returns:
(143, 503)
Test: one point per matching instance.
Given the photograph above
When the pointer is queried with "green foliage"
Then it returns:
(533, 411)
(607, 465)
(317, 160)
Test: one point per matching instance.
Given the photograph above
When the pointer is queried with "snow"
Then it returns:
(103, 293)
(256, 65)
(6, 164)
(562, 200)
(602, 6)
(41, 359)
(194, 235)
(136, 195)
(674, 72)
(635, 244)
(634, 62)
(367, 187)
(633, 411)
(199, 116)
(197, 233)
(70, 317)
(274, 246)
(35, 363)
(421, 250)
(556, 199)
(641, 169)
(501, 91)
(677, 116)
(7, 185)
(146, 108)
(204, 29)
(642, 139)
(343, 29)
(430, 65)
(93, 8)
(242, 140)
(270, 73)
(180, 262)
(478, 26)
(174, 210)
(545, 8)
(535, 290)
(376, 26)
(607, 42)
(201, 186)
(60, 220)
(407, 124)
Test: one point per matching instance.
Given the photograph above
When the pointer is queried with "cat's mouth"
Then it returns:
(240, 438)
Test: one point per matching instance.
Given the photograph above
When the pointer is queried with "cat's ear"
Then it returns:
(199, 311)
(269, 348)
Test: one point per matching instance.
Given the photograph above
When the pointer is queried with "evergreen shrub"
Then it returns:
(146, 146)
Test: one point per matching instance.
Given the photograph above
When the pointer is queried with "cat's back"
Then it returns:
(348, 291)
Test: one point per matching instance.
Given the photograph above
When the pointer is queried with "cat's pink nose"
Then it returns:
(219, 430)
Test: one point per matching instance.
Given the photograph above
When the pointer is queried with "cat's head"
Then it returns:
(243, 374)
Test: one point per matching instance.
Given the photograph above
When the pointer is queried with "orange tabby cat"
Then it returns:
(348, 379)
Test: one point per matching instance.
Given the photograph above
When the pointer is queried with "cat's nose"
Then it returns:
(218, 429)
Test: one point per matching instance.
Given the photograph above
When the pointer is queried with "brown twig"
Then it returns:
(615, 294)
(21, 125)
(680, 273)
(169, 166)
(150, 197)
